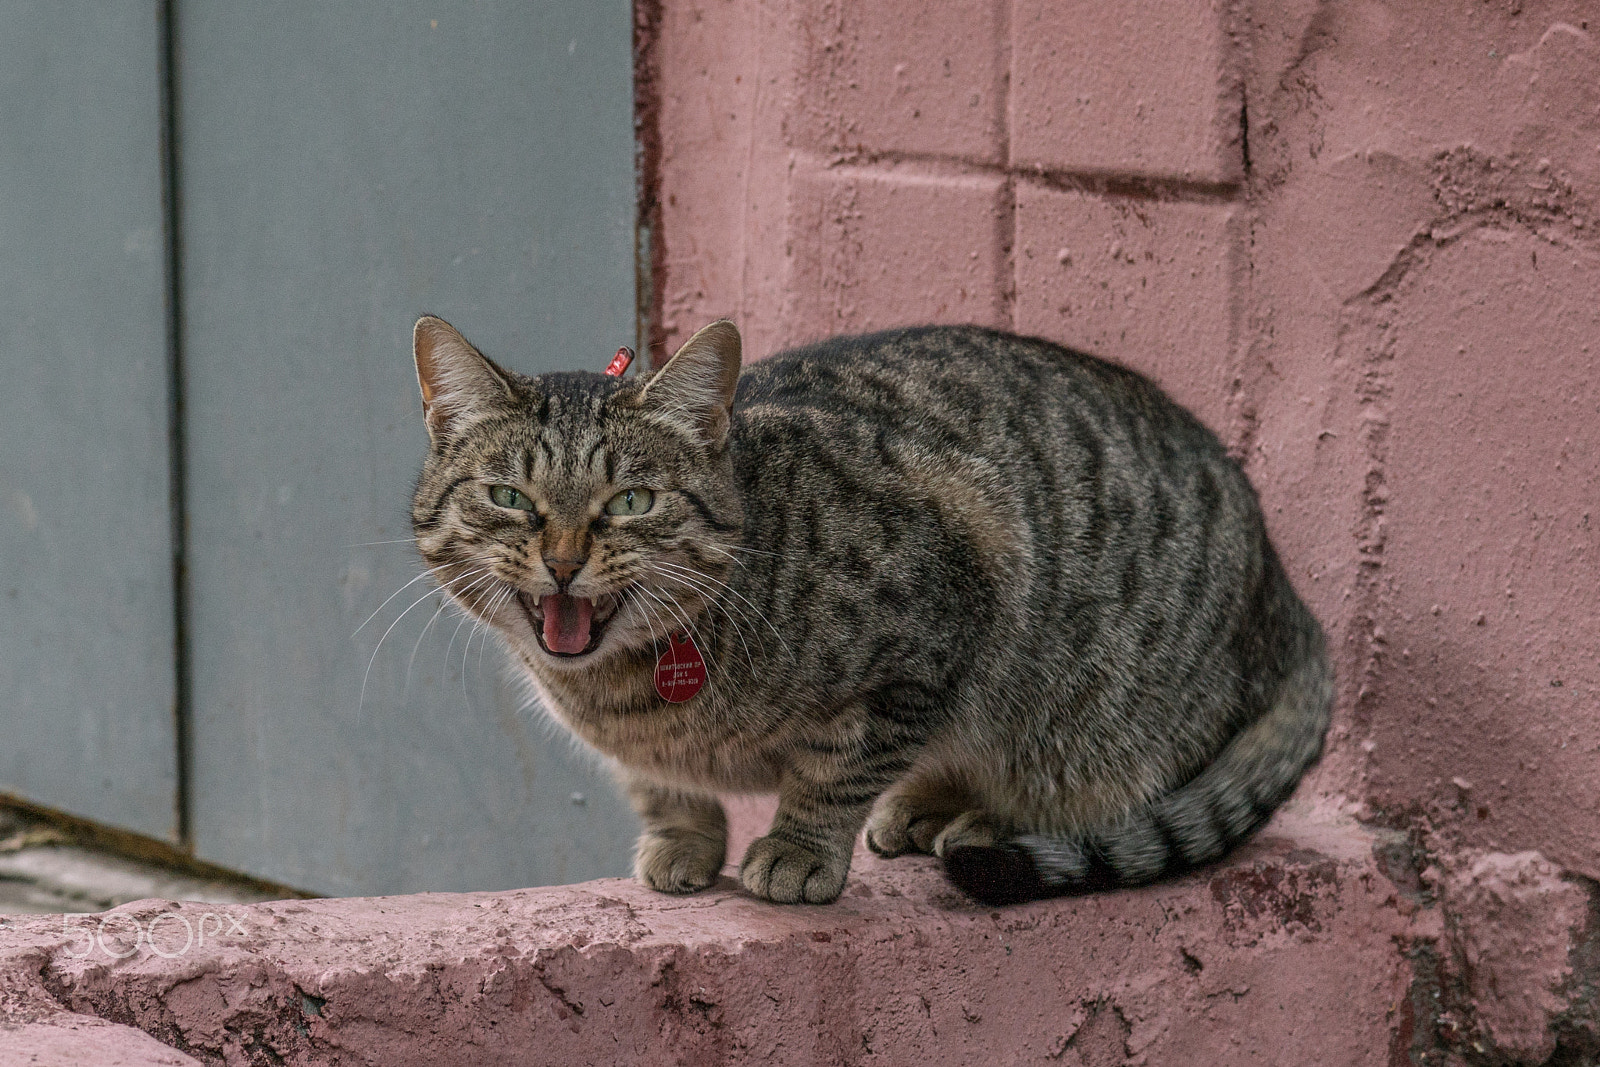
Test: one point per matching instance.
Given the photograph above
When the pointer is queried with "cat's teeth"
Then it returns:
(534, 608)
(605, 606)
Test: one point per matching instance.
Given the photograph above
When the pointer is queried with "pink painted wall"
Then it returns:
(1362, 240)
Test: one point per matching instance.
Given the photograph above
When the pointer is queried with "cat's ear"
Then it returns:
(456, 379)
(696, 386)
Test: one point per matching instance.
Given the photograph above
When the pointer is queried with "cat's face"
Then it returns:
(579, 515)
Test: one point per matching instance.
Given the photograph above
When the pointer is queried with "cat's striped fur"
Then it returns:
(981, 595)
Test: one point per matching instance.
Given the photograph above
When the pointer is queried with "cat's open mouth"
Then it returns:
(569, 625)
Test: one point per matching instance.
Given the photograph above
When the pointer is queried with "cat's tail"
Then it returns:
(1193, 825)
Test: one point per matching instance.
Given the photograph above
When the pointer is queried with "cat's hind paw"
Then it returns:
(970, 829)
(895, 830)
(787, 873)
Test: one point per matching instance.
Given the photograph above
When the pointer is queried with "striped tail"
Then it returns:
(1193, 825)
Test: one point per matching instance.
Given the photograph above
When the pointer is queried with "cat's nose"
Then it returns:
(564, 569)
(565, 549)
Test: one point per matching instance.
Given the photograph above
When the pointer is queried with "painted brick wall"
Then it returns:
(1361, 240)
(838, 167)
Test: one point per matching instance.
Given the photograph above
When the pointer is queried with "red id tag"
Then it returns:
(680, 672)
(620, 362)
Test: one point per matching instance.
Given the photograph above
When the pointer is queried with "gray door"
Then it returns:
(87, 721)
(342, 168)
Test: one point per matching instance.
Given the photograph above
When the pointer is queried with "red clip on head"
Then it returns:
(620, 362)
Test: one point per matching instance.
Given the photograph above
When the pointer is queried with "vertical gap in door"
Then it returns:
(177, 467)
(649, 254)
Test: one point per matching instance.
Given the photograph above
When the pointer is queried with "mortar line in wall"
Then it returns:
(926, 166)
(758, 79)
(1132, 186)
(1243, 363)
(934, 167)
(1003, 93)
(1006, 223)
(1008, 189)
(177, 440)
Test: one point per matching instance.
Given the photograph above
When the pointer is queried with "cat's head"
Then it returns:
(579, 514)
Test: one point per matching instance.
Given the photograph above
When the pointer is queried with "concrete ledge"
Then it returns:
(1283, 955)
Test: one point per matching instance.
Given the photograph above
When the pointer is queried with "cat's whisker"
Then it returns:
(736, 621)
(733, 620)
(466, 617)
(448, 601)
(713, 602)
(651, 619)
(444, 586)
(660, 615)
(466, 651)
(362, 701)
(688, 626)
(387, 602)
(731, 551)
(444, 605)
(701, 579)
(728, 550)
(627, 597)
(667, 626)
(698, 582)
(480, 625)
(478, 575)
(495, 604)
(724, 586)
(671, 606)
(430, 573)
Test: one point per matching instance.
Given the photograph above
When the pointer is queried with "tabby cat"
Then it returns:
(986, 597)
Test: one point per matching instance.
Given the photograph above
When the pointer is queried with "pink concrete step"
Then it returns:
(1282, 955)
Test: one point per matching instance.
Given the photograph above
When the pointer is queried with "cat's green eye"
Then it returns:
(631, 502)
(507, 497)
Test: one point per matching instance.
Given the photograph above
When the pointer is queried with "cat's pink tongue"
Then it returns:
(566, 622)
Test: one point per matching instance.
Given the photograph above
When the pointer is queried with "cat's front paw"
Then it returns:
(787, 873)
(678, 862)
